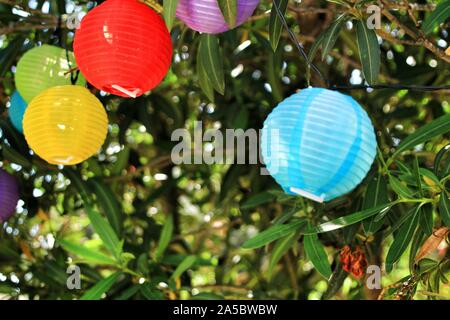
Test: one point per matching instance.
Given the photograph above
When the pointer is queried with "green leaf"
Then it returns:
(169, 12)
(444, 209)
(184, 266)
(257, 200)
(275, 24)
(438, 160)
(281, 247)
(107, 201)
(273, 233)
(128, 293)
(350, 219)
(426, 219)
(10, 53)
(336, 281)
(207, 296)
(399, 188)
(402, 240)
(229, 11)
(91, 256)
(369, 52)
(121, 162)
(165, 237)
(212, 61)
(426, 265)
(437, 127)
(96, 292)
(416, 173)
(438, 16)
(331, 35)
(375, 195)
(416, 243)
(100, 225)
(151, 293)
(14, 156)
(315, 252)
(105, 231)
(203, 80)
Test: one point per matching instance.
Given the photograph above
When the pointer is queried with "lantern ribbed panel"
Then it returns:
(206, 16)
(319, 142)
(65, 125)
(9, 195)
(16, 110)
(41, 68)
(123, 44)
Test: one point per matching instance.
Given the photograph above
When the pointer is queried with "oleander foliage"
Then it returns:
(140, 227)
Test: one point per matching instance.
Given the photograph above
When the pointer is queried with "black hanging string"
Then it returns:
(299, 46)
(311, 65)
(62, 43)
(391, 86)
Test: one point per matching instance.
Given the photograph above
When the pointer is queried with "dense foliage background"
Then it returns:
(140, 227)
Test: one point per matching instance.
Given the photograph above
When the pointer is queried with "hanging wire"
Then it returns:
(299, 46)
(311, 65)
(73, 75)
(391, 86)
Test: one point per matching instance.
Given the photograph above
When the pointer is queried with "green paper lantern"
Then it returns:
(42, 68)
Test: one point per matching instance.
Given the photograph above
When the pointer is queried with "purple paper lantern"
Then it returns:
(205, 15)
(9, 195)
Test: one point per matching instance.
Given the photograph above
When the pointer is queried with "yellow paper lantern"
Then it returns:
(44, 67)
(65, 125)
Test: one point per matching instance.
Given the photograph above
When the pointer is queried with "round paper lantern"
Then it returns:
(65, 125)
(206, 16)
(16, 110)
(44, 67)
(123, 47)
(319, 144)
(9, 195)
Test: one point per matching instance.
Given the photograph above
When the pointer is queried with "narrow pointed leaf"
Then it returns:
(89, 255)
(108, 203)
(275, 24)
(170, 10)
(184, 266)
(350, 219)
(96, 292)
(401, 241)
(437, 127)
(281, 247)
(369, 51)
(444, 209)
(331, 35)
(315, 252)
(165, 237)
(437, 16)
(273, 233)
(229, 11)
(375, 195)
(212, 61)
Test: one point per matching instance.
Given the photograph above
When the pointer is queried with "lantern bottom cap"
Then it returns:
(64, 160)
(123, 91)
(308, 195)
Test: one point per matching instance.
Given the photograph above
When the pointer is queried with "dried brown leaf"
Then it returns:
(432, 243)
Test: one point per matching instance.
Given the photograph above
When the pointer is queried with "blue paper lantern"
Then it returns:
(17, 110)
(319, 144)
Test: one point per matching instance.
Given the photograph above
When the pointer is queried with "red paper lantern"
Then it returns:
(123, 47)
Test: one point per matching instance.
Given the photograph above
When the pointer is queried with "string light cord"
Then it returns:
(391, 86)
(301, 49)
